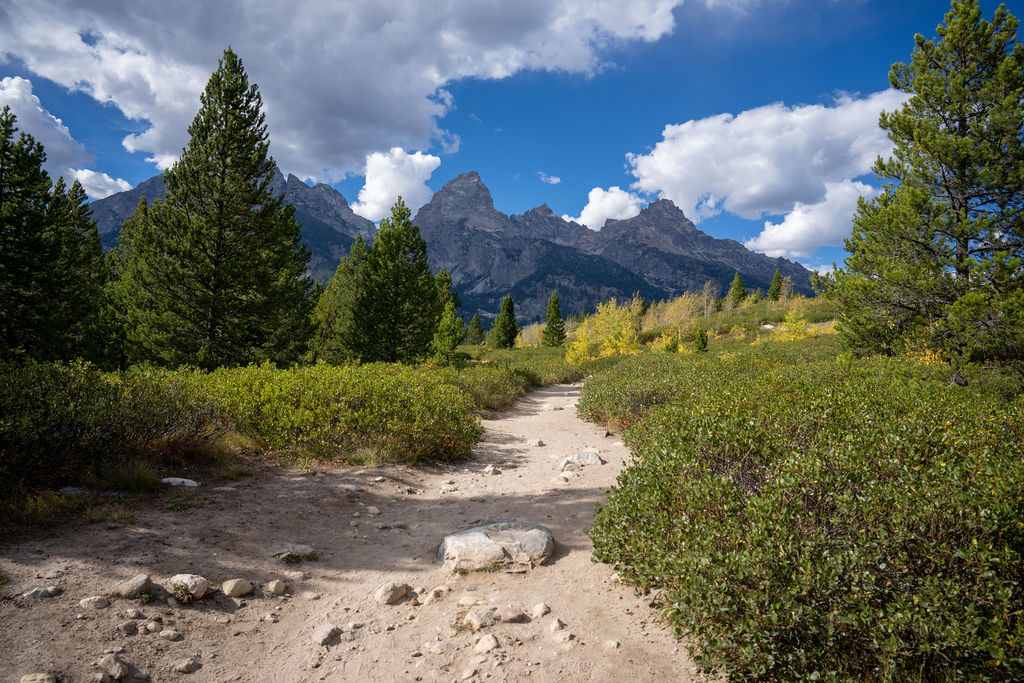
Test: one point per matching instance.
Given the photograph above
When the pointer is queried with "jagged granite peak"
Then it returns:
(464, 200)
(329, 226)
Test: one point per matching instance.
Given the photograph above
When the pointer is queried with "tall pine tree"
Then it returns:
(504, 331)
(554, 327)
(382, 304)
(938, 257)
(216, 274)
(50, 259)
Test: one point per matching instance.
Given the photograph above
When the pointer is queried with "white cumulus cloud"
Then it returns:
(603, 204)
(64, 154)
(809, 226)
(391, 174)
(340, 80)
(99, 185)
(765, 160)
(548, 179)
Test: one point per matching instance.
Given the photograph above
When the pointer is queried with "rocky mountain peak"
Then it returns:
(464, 199)
(665, 208)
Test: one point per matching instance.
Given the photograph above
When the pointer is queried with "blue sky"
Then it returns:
(580, 92)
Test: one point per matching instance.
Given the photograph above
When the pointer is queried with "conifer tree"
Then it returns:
(737, 292)
(554, 327)
(339, 335)
(25, 250)
(504, 331)
(937, 257)
(775, 288)
(475, 331)
(50, 259)
(446, 290)
(216, 274)
(448, 334)
(397, 307)
(73, 277)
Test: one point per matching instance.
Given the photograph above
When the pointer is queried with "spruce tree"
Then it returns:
(51, 269)
(475, 331)
(775, 288)
(554, 327)
(397, 307)
(504, 331)
(25, 250)
(340, 336)
(73, 278)
(448, 334)
(216, 274)
(937, 257)
(737, 292)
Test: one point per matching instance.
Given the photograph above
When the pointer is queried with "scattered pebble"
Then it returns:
(539, 610)
(94, 602)
(172, 635)
(187, 666)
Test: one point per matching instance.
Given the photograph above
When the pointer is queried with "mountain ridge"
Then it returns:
(657, 254)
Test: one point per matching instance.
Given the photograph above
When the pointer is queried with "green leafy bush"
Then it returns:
(67, 423)
(822, 520)
(382, 412)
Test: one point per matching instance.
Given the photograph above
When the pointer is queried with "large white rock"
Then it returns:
(497, 544)
(580, 460)
(188, 587)
(236, 588)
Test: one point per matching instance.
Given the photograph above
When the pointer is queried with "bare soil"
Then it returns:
(231, 531)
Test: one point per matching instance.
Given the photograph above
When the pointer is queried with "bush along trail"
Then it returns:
(479, 570)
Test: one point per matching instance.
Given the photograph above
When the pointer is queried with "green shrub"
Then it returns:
(822, 520)
(382, 412)
(70, 423)
(492, 386)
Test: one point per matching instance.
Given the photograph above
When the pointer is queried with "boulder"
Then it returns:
(539, 610)
(275, 587)
(391, 593)
(134, 587)
(118, 668)
(578, 461)
(236, 588)
(500, 544)
(188, 587)
(512, 615)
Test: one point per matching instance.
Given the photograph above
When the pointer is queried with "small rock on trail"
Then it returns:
(391, 593)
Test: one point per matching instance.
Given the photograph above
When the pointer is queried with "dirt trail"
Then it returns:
(266, 638)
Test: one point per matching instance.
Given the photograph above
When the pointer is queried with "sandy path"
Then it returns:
(264, 638)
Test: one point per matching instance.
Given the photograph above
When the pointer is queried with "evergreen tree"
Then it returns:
(475, 331)
(216, 274)
(504, 331)
(737, 292)
(397, 306)
(446, 290)
(554, 327)
(25, 250)
(937, 257)
(340, 336)
(448, 334)
(775, 288)
(51, 266)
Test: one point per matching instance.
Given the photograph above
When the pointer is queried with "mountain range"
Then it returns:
(657, 254)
